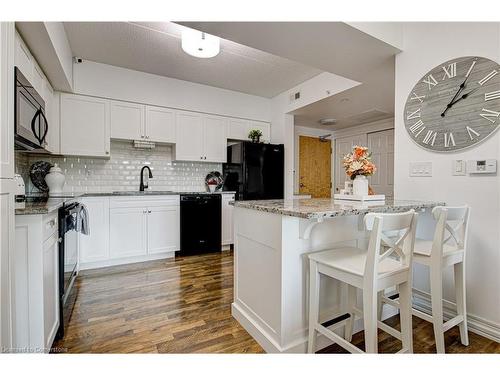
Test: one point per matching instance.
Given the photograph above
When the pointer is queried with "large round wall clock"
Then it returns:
(455, 105)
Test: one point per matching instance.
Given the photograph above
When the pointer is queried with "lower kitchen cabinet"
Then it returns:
(34, 266)
(130, 229)
(127, 232)
(227, 219)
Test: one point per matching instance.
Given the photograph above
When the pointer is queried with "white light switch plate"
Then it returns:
(421, 169)
(458, 168)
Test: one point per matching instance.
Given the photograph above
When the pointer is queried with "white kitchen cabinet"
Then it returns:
(200, 137)
(95, 247)
(50, 289)
(38, 80)
(7, 49)
(127, 232)
(189, 144)
(35, 281)
(227, 219)
(215, 142)
(160, 124)
(127, 120)
(85, 126)
(238, 129)
(23, 58)
(163, 229)
(52, 139)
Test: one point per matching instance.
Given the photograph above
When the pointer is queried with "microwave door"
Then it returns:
(27, 111)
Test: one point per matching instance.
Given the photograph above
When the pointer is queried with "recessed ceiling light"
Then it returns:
(327, 121)
(199, 44)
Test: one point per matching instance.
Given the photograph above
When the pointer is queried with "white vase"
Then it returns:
(55, 180)
(360, 185)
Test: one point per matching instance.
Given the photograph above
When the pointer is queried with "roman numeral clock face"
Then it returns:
(456, 105)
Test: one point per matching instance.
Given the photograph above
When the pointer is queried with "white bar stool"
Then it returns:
(372, 272)
(447, 249)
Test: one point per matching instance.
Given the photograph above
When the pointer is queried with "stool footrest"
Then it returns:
(337, 339)
(453, 322)
(336, 320)
(391, 331)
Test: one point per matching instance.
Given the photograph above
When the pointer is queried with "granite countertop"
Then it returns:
(316, 208)
(34, 207)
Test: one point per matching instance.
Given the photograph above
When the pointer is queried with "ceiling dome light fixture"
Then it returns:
(199, 44)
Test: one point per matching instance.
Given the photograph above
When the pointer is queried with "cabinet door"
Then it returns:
(237, 129)
(127, 120)
(127, 232)
(84, 126)
(7, 159)
(189, 143)
(215, 139)
(264, 127)
(227, 219)
(38, 81)
(52, 114)
(95, 247)
(160, 124)
(163, 229)
(23, 59)
(50, 289)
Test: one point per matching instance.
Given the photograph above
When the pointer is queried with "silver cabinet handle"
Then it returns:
(149, 211)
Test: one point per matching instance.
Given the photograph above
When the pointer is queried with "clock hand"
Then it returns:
(461, 87)
(464, 96)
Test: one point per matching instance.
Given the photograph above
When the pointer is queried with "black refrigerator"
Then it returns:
(255, 170)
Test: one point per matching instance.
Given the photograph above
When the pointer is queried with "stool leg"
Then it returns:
(370, 319)
(313, 305)
(351, 303)
(459, 269)
(405, 313)
(437, 307)
(380, 305)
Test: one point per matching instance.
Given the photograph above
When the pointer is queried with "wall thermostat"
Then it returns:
(482, 166)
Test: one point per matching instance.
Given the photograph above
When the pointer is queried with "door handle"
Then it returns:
(302, 185)
(39, 115)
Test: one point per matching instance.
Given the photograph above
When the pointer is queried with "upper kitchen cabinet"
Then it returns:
(200, 137)
(85, 126)
(127, 120)
(52, 114)
(239, 129)
(160, 124)
(23, 59)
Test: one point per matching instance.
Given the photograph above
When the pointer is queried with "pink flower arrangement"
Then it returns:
(358, 162)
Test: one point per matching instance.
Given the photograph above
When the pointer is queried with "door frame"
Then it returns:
(313, 133)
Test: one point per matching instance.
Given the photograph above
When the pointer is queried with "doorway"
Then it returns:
(315, 172)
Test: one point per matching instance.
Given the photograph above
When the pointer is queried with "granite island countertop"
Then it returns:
(37, 207)
(316, 208)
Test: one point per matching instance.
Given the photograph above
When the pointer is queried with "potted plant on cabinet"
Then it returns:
(255, 135)
(358, 166)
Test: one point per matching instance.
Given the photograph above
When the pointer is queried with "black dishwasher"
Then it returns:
(200, 223)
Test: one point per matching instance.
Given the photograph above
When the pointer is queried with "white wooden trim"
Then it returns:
(370, 127)
(121, 261)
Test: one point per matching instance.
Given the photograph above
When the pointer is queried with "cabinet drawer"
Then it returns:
(49, 225)
(155, 201)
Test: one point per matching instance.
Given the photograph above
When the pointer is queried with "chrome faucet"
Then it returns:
(142, 187)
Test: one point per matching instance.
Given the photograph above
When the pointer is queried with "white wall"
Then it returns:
(425, 46)
(109, 81)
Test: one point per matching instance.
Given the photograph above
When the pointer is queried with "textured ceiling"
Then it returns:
(155, 47)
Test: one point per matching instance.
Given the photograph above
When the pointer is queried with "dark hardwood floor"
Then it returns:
(184, 306)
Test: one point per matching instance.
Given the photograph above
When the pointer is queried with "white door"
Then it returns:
(163, 229)
(189, 144)
(7, 100)
(381, 145)
(237, 129)
(215, 139)
(50, 289)
(227, 219)
(127, 232)
(160, 124)
(127, 120)
(95, 247)
(85, 126)
(344, 146)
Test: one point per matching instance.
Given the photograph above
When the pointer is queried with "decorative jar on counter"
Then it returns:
(55, 180)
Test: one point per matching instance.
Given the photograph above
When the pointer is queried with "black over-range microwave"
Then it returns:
(29, 116)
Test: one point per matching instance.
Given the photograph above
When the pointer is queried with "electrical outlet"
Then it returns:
(421, 169)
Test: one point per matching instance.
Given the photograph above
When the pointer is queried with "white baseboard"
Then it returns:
(121, 261)
(476, 324)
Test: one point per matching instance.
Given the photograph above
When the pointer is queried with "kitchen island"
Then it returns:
(272, 240)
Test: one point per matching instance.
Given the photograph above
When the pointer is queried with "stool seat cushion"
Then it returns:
(353, 260)
(424, 248)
